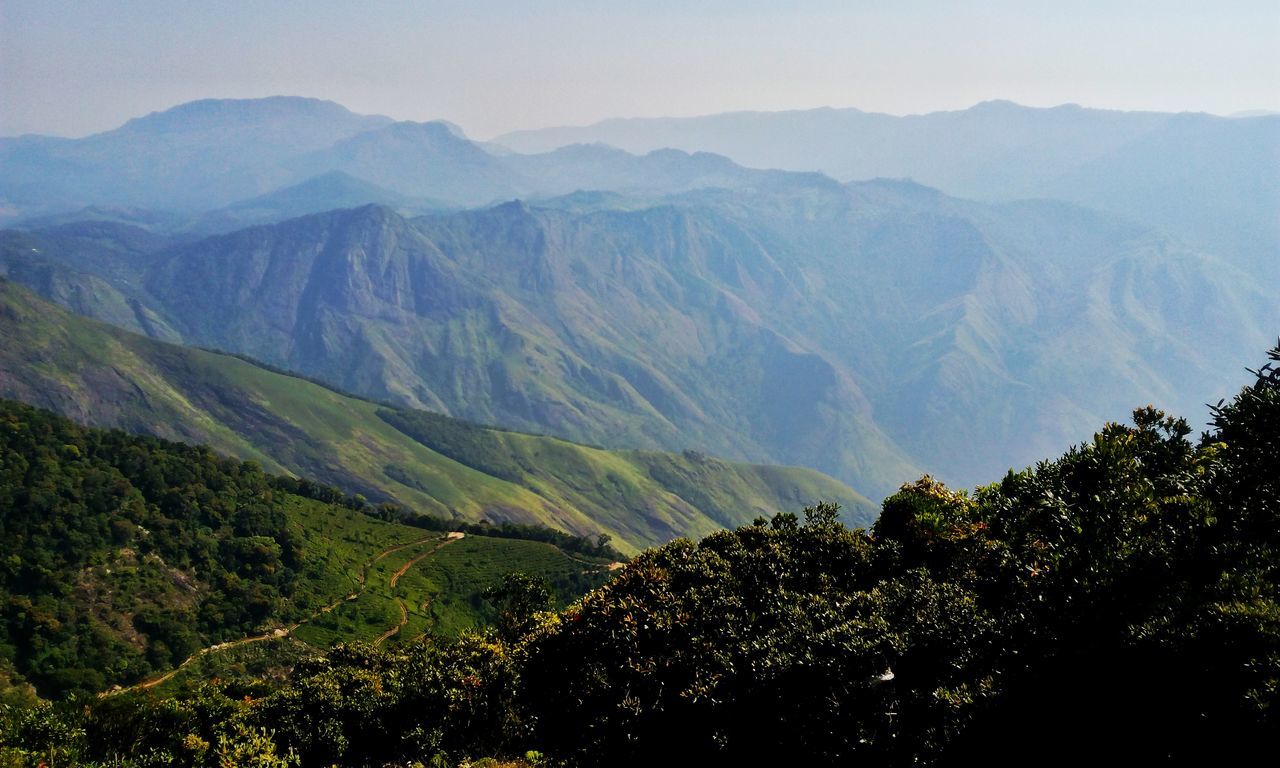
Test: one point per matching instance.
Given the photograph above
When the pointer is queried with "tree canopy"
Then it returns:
(1121, 601)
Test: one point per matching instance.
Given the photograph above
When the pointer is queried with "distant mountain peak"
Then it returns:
(204, 114)
(333, 188)
(996, 105)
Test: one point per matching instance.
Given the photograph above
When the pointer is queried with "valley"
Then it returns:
(500, 385)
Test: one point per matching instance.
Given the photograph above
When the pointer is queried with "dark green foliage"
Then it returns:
(1118, 604)
(468, 444)
(518, 600)
(1121, 600)
(123, 554)
(362, 706)
(207, 729)
(715, 645)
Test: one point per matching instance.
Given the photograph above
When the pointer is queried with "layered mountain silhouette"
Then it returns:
(678, 300)
(1212, 180)
(199, 155)
(293, 156)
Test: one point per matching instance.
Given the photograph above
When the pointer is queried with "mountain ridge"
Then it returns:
(97, 374)
(793, 320)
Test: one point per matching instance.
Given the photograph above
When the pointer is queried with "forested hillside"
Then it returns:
(123, 556)
(1120, 603)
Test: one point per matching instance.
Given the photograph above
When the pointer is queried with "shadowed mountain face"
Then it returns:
(614, 328)
(864, 330)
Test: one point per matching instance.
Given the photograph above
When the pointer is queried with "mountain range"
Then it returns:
(867, 330)
(676, 299)
(231, 157)
(103, 376)
(1212, 180)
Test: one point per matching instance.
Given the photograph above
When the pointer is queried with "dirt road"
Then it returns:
(362, 579)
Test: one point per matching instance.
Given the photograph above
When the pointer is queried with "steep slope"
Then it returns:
(991, 331)
(96, 272)
(103, 376)
(860, 330)
(631, 330)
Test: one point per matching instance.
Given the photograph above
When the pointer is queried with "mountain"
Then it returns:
(326, 192)
(201, 154)
(96, 272)
(1213, 180)
(420, 159)
(610, 328)
(597, 167)
(330, 190)
(257, 161)
(103, 376)
(142, 218)
(995, 150)
(865, 330)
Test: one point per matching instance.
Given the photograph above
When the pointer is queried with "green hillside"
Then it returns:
(104, 376)
(1118, 605)
(125, 557)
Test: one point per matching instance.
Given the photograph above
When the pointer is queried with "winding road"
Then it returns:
(395, 579)
(362, 580)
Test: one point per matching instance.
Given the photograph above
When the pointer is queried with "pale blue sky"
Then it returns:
(72, 68)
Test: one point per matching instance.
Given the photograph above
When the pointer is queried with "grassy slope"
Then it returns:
(107, 377)
(348, 553)
(442, 588)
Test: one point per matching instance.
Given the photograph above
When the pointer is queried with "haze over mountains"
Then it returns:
(1213, 180)
(670, 300)
(212, 154)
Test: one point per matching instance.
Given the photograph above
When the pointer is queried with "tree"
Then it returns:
(518, 599)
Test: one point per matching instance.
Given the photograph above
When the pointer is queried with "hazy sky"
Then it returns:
(72, 68)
